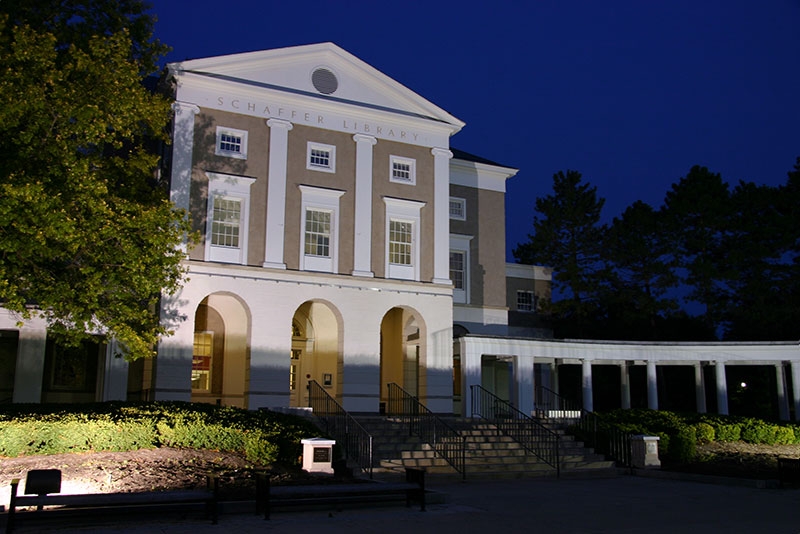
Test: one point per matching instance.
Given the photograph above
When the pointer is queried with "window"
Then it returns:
(227, 218)
(318, 233)
(402, 170)
(321, 157)
(400, 242)
(458, 209)
(201, 361)
(526, 301)
(402, 238)
(319, 229)
(457, 268)
(231, 142)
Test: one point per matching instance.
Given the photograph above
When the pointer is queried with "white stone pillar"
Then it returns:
(182, 147)
(625, 386)
(796, 389)
(783, 399)
(362, 243)
(586, 385)
(652, 385)
(699, 388)
(441, 216)
(276, 192)
(722, 388)
(29, 371)
(471, 352)
(524, 383)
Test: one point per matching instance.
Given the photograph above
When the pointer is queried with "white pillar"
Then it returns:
(699, 388)
(625, 386)
(783, 399)
(652, 386)
(276, 192)
(586, 385)
(796, 389)
(441, 216)
(182, 147)
(524, 384)
(362, 243)
(29, 371)
(722, 388)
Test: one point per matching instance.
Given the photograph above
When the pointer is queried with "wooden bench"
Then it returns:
(269, 497)
(43, 487)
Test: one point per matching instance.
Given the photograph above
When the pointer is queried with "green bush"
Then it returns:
(757, 431)
(784, 435)
(728, 433)
(682, 445)
(263, 437)
(705, 432)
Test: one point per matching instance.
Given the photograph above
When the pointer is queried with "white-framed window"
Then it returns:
(402, 238)
(526, 301)
(321, 157)
(231, 142)
(458, 209)
(319, 249)
(402, 170)
(227, 218)
(459, 267)
(202, 360)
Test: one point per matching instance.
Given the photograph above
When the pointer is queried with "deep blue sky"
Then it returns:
(629, 93)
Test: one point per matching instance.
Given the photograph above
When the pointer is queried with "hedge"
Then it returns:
(263, 437)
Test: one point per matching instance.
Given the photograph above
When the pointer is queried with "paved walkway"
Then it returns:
(624, 504)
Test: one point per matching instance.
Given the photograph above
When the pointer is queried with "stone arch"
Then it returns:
(317, 347)
(221, 355)
(403, 352)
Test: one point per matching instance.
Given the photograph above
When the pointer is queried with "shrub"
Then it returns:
(757, 431)
(784, 435)
(705, 432)
(682, 445)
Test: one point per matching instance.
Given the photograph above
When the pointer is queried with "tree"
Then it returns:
(640, 270)
(88, 238)
(567, 237)
(697, 214)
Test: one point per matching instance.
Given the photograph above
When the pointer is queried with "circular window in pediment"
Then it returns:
(324, 81)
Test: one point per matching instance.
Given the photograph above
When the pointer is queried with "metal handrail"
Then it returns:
(605, 439)
(525, 430)
(356, 442)
(422, 422)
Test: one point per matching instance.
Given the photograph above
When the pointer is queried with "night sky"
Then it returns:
(631, 94)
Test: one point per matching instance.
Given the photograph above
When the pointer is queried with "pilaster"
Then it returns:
(362, 242)
(441, 214)
(276, 193)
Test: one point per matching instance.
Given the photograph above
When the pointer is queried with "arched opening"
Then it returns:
(220, 355)
(316, 352)
(403, 353)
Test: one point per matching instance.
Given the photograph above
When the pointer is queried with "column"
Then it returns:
(652, 386)
(722, 388)
(276, 192)
(783, 400)
(700, 388)
(625, 386)
(29, 371)
(586, 385)
(441, 214)
(796, 389)
(362, 242)
(182, 147)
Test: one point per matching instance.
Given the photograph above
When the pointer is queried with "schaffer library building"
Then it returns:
(345, 241)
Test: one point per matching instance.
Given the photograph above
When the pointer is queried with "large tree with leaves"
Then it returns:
(88, 238)
(567, 237)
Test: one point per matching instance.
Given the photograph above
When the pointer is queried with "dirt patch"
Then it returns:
(151, 470)
(739, 459)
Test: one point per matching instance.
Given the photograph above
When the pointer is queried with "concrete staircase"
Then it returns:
(488, 453)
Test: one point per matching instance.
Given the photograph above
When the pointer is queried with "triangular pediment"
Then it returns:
(323, 71)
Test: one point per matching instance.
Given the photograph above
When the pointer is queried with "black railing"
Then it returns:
(604, 438)
(525, 430)
(430, 429)
(356, 443)
(548, 403)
